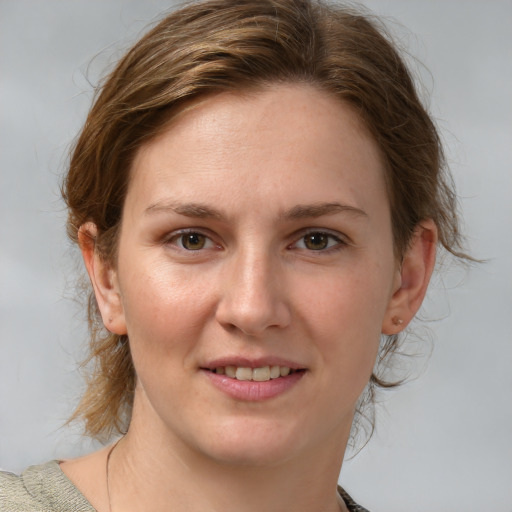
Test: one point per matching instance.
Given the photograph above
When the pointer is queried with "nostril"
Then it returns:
(253, 320)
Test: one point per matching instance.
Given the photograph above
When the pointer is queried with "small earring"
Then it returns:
(397, 321)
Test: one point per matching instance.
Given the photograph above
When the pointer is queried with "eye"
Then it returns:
(192, 241)
(318, 241)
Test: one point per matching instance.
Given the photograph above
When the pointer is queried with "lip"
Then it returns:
(252, 391)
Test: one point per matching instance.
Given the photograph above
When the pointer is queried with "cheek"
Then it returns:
(345, 315)
(164, 313)
(354, 300)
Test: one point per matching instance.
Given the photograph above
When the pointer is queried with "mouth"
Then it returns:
(259, 374)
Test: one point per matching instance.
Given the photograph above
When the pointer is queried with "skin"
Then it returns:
(274, 273)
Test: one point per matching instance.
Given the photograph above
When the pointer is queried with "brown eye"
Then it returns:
(316, 241)
(193, 241)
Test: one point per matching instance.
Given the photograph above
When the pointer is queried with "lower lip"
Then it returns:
(252, 391)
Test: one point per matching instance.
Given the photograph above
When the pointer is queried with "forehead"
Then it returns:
(291, 142)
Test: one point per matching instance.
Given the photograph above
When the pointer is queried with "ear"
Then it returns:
(103, 279)
(413, 277)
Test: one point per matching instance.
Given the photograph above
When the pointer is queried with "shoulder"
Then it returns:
(17, 495)
(41, 488)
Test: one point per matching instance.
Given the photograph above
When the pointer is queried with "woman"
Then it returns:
(258, 195)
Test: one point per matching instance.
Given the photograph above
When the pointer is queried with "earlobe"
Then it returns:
(413, 279)
(103, 279)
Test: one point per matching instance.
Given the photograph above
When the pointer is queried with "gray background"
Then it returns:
(443, 442)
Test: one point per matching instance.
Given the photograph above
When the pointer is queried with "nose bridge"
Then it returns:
(256, 278)
(252, 298)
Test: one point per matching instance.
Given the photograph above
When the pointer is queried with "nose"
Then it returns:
(253, 296)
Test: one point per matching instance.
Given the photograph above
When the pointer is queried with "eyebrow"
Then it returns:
(301, 211)
(195, 210)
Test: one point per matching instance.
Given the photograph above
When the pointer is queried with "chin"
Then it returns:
(255, 444)
(249, 455)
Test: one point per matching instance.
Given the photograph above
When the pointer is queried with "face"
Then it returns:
(255, 271)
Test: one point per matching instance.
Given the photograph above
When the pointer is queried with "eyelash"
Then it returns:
(176, 237)
(334, 242)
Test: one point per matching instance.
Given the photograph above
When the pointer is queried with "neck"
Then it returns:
(149, 470)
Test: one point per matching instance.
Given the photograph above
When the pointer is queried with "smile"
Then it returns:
(261, 374)
(255, 383)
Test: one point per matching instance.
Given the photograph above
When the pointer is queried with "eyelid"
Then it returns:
(341, 239)
(176, 234)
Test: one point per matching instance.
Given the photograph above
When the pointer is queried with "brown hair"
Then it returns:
(221, 45)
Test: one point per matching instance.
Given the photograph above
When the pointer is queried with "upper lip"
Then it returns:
(244, 362)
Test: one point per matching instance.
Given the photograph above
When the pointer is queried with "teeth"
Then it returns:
(231, 371)
(261, 374)
(284, 371)
(275, 372)
(243, 374)
(256, 374)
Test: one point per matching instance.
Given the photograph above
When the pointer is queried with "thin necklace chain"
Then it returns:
(107, 472)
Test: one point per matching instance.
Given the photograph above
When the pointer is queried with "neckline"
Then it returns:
(35, 480)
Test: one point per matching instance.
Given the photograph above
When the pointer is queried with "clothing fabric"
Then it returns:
(43, 488)
(351, 504)
(46, 488)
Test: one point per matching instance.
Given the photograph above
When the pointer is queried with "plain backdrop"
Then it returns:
(444, 441)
